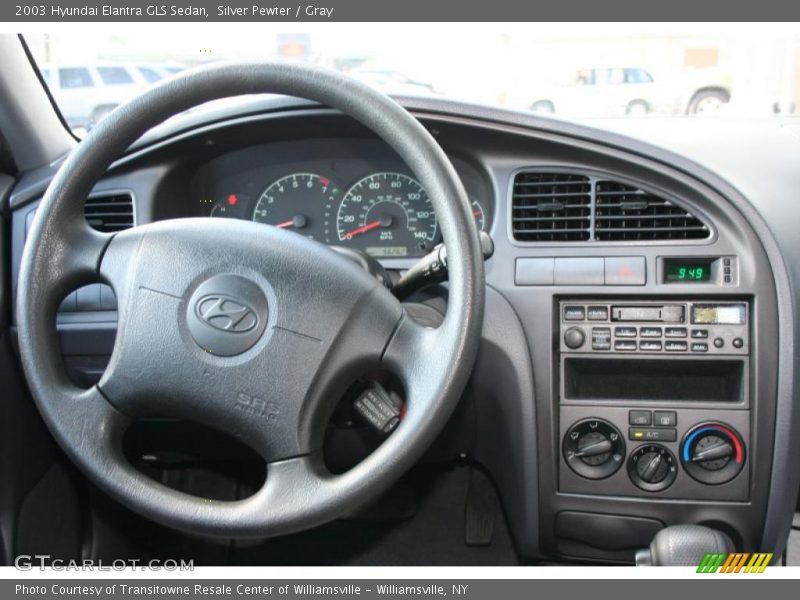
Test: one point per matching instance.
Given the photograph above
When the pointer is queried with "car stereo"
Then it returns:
(663, 328)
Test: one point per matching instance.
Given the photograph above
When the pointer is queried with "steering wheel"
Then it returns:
(250, 329)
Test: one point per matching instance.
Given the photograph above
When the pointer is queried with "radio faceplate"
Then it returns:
(668, 328)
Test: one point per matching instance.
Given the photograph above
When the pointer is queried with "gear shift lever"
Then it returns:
(683, 545)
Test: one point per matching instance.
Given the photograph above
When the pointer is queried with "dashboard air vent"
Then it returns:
(626, 213)
(551, 207)
(109, 212)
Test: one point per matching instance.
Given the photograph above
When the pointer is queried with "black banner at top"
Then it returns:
(283, 11)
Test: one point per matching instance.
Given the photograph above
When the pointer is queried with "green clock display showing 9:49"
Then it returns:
(687, 272)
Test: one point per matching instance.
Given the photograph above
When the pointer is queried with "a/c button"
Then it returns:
(652, 435)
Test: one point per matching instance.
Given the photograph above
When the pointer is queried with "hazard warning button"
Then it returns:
(625, 270)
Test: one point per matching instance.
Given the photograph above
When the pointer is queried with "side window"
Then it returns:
(585, 77)
(46, 75)
(115, 75)
(150, 75)
(602, 76)
(74, 78)
(637, 76)
(616, 76)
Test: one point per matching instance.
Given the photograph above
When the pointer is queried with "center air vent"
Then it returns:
(625, 213)
(570, 207)
(110, 212)
(551, 207)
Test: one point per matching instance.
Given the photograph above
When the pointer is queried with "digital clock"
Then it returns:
(687, 272)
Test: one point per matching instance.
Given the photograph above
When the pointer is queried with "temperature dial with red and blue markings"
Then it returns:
(713, 453)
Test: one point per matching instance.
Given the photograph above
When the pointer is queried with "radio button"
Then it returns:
(651, 332)
(574, 313)
(699, 333)
(597, 313)
(698, 347)
(673, 346)
(625, 332)
(719, 342)
(625, 345)
(601, 338)
(737, 342)
(675, 332)
(649, 346)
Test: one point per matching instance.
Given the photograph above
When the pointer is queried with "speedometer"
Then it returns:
(386, 215)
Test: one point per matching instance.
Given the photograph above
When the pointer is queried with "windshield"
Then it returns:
(567, 70)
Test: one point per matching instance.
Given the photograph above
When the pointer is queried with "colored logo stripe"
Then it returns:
(711, 563)
(735, 562)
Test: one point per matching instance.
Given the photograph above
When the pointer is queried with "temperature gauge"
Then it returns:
(231, 206)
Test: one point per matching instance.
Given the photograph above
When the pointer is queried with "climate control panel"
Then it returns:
(679, 453)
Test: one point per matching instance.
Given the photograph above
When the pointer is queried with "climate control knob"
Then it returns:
(593, 448)
(652, 468)
(712, 453)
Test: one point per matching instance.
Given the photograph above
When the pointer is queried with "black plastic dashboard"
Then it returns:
(555, 368)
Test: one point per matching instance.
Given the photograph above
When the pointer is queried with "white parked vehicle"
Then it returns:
(616, 91)
(86, 93)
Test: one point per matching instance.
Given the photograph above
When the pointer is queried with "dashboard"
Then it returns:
(368, 201)
(638, 353)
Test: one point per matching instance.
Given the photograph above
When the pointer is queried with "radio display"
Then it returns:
(691, 271)
(718, 314)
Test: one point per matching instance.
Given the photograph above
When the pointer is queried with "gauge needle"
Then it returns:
(297, 222)
(362, 229)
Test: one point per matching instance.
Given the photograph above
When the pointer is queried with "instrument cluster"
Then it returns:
(385, 211)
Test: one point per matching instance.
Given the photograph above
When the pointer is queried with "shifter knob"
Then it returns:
(683, 546)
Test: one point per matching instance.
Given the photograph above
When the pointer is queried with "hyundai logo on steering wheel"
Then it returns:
(223, 305)
(226, 313)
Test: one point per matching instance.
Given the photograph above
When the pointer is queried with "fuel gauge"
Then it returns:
(479, 214)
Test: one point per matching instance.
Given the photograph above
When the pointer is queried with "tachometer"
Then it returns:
(301, 202)
(387, 215)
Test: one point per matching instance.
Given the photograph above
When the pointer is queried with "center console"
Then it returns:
(654, 398)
